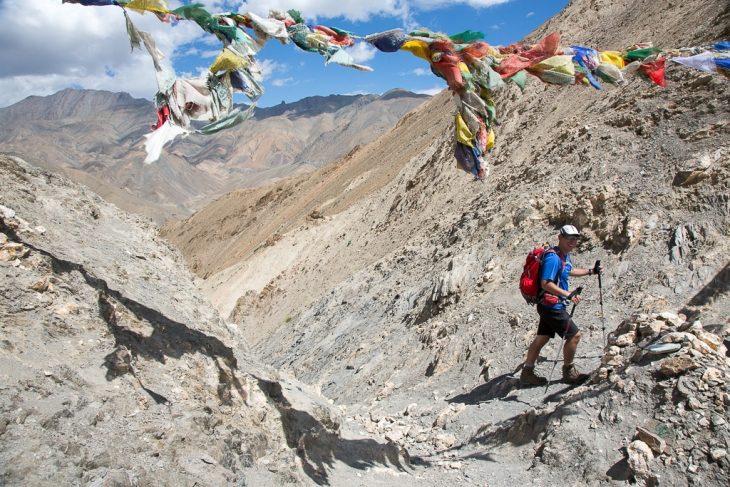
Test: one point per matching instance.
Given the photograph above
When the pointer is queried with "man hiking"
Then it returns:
(555, 269)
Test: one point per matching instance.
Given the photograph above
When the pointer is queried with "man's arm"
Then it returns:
(579, 272)
(552, 288)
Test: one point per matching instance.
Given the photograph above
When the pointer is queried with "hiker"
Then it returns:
(554, 271)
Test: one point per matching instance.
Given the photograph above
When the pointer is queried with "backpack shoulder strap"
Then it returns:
(552, 250)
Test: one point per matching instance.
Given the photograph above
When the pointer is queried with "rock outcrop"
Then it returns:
(114, 370)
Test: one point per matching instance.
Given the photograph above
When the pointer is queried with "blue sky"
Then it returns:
(46, 46)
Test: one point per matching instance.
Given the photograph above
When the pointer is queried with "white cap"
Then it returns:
(569, 231)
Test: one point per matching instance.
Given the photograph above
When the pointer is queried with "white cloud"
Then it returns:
(530, 14)
(358, 10)
(362, 52)
(282, 81)
(433, 4)
(209, 53)
(430, 91)
(269, 67)
(313, 9)
(48, 46)
(421, 72)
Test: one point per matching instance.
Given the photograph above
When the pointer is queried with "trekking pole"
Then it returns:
(562, 340)
(600, 300)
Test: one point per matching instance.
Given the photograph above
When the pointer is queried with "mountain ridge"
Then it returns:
(101, 133)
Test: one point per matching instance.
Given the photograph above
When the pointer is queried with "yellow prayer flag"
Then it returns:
(612, 57)
(227, 61)
(148, 5)
(490, 139)
(463, 134)
(418, 48)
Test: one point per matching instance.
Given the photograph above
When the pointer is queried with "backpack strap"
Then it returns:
(540, 290)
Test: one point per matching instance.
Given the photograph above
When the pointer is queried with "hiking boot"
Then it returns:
(572, 376)
(529, 378)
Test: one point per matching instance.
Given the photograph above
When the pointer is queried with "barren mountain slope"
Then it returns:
(236, 225)
(617, 24)
(401, 289)
(96, 138)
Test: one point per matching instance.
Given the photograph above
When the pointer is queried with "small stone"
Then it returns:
(205, 458)
(386, 391)
(712, 375)
(654, 442)
(717, 454)
(410, 409)
(718, 420)
(694, 404)
(625, 340)
(641, 317)
(627, 326)
(675, 366)
(639, 456)
(678, 337)
(376, 415)
(651, 328)
(67, 309)
(601, 374)
(710, 339)
(671, 318)
(395, 436)
(691, 326)
(726, 398)
(42, 285)
(444, 441)
(12, 251)
(614, 361)
(702, 347)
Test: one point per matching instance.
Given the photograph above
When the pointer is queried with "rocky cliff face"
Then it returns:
(389, 279)
(114, 370)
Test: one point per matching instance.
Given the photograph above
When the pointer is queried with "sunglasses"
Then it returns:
(571, 237)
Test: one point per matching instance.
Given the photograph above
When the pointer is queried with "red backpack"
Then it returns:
(530, 278)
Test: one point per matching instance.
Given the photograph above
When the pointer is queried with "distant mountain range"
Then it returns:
(96, 138)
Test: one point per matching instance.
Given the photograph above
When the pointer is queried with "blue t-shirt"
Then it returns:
(549, 271)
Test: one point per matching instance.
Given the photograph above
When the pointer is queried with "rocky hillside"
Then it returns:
(115, 371)
(96, 137)
(389, 279)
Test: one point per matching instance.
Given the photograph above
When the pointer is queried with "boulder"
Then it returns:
(639, 457)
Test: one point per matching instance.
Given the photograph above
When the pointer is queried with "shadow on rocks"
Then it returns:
(319, 445)
(528, 426)
(168, 339)
(720, 284)
(497, 388)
